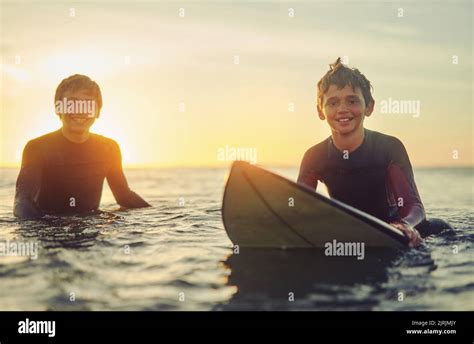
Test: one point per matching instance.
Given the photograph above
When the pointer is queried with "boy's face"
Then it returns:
(78, 122)
(344, 109)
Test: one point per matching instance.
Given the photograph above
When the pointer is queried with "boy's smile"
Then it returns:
(78, 123)
(344, 109)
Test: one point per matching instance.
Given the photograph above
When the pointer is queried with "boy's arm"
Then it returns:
(28, 185)
(402, 183)
(307, 175)
(410, 208)
(118, 183)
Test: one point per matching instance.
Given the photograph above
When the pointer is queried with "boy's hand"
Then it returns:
(414, 238)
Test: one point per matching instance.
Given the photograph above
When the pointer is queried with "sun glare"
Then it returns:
(92, 63)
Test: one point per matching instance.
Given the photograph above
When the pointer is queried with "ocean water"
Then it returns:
(177, 256)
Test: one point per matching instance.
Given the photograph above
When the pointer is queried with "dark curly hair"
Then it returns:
(79, 82)
(341, 76)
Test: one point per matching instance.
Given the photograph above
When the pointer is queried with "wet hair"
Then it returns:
(341, 76)
(78, 82)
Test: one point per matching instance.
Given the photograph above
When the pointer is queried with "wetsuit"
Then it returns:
(376, 178)
(58, 176)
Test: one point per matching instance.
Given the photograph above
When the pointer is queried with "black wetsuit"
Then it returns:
(58, 176)
(376, 178)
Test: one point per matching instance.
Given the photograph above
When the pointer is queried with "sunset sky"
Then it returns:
(151, 59)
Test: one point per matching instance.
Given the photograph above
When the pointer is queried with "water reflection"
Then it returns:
(76, 231)
(261, 275)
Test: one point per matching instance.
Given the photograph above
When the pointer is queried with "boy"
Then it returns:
(366, 169)
(63, 172)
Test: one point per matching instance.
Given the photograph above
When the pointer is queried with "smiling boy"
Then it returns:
(366, 169)
(63, 172)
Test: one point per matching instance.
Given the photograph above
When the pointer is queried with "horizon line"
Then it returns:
(217, 166)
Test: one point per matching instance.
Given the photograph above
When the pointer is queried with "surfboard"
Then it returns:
(261, 209)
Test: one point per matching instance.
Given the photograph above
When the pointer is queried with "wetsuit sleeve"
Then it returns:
(28, 184)
(308, 176)
(401, 181)
(118, 183)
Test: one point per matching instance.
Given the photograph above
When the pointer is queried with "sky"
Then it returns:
(183, 81)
